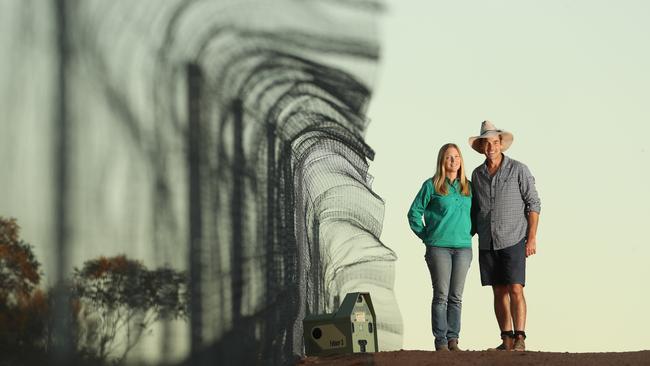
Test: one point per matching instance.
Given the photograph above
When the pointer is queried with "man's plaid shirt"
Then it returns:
(502, 202)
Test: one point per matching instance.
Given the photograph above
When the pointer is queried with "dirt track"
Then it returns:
(405, 358)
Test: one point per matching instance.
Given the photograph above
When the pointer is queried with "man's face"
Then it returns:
(492, 147)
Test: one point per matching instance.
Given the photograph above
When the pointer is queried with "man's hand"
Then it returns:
(531, 242)
(531, 246)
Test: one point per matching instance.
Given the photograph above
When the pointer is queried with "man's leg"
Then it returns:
(502, 306)
(492, 275)
(518, 310)
(515, 257)
(517, 306)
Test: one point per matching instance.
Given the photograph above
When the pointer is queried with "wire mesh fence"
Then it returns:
(222, 140)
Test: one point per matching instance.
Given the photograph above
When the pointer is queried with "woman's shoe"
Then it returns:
(442, 348)
(453, 345)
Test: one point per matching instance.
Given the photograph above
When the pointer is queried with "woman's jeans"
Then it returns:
(448, 268)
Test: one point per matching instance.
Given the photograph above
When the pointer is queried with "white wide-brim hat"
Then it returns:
(489, 130)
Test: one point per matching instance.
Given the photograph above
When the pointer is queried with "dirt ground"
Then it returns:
(406, 358)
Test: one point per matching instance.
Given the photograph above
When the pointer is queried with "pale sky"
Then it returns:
(571, 81)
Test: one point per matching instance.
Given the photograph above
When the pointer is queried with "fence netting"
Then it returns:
(222, 139)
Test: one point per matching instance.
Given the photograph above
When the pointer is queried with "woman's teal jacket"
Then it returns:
(447, 221)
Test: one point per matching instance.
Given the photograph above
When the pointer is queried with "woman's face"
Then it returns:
(452, 160)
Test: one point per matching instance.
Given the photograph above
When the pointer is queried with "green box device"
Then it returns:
(351, 329)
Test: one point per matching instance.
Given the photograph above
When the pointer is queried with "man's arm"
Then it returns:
(533, 208)
(531, 241)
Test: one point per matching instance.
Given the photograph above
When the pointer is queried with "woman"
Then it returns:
(445, 201)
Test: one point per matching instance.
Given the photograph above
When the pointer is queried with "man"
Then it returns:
(505, 212)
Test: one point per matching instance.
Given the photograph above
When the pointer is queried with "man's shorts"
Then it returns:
(505, 266)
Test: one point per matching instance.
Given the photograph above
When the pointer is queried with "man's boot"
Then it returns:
(507, 342)
(520, 338)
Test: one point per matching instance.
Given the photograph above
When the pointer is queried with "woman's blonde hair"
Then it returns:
(441, 173)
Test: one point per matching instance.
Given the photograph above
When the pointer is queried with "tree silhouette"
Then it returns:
(120, 299)
(23, 307)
